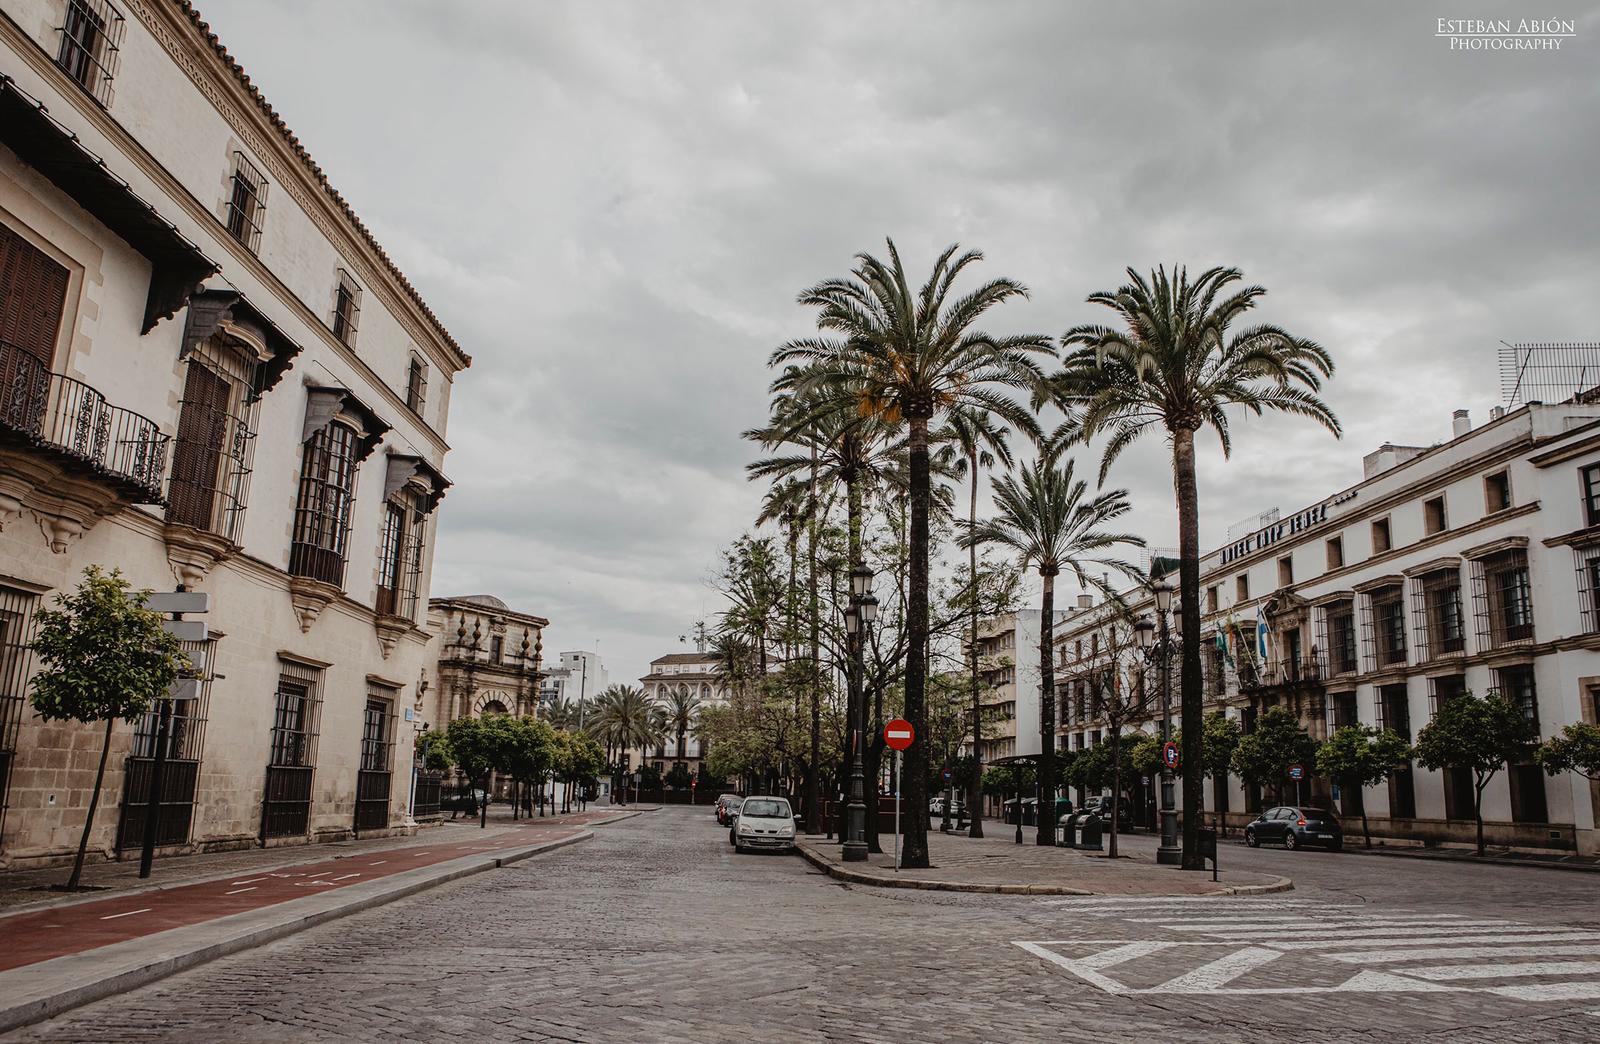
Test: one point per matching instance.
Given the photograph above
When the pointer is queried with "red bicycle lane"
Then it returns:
(30, 937)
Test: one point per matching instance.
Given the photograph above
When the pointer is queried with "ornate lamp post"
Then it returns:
(863, 610)
(1170, 852)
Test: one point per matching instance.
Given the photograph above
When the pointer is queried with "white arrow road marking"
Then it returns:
(1434, 953)
(1388, 982)
(1496, 971)
(1087, 968)
(127, 913)
(1208, 977)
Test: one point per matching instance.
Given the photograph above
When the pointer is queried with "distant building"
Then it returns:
(696, 675)
(576, 679)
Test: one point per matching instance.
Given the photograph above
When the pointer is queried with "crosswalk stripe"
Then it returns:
(1498, 971)
(1388, 940)
(1223, 970)
(1434, 953)
(1277, 924)
(1389, 930)
(1549, 991)
(1180, 900)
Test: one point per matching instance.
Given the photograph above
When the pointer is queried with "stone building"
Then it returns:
(1468, 566)
(686, 676)
(211, 375)
(485, 657)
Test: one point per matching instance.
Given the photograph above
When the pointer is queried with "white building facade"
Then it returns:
(693, 677)
(213, 377)
(1010, 681)
(1469, 566)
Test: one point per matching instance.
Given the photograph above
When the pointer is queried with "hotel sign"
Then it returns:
(1269, 535)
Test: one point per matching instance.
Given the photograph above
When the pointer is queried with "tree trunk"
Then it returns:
(1477, 812)
(1190, 687)
(1046, 827)
(915, 847)
(975, 789)
(813, 790)
(94, 803)
(1116, 787)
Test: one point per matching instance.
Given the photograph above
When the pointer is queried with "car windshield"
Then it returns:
(765, 808)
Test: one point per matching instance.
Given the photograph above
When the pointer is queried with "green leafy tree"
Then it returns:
(1220, 740)
(913, 355)
(477, 746)
(529, 751)
(1049, 519)
(1264, 754)
(1171, 367)
(679, 777)
(1577, 749)
(584, 762)
(1477, 733)
(105, 658)
(1144, 754)
(1362, 756)
(433, 751)
(649, 777)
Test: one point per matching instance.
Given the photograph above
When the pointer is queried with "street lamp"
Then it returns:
(858, 617)
(1169, 853)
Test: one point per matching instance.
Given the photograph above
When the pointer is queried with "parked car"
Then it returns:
(1295, 826)
(936, 808)
(468, 802)
(763, 822)
(728, 808)
(1101, 806)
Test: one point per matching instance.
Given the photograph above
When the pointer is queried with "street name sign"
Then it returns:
(178, 602)
(186, 630)
(898, 734)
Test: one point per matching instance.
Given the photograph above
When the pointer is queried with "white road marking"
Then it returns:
(1550, 991)
(1278, 924)
(127, 913)
(345, 877)
(251, 880)
(1388, 939)
(1495, 971)
(378, 863)
(1208, 977)
(1429, 953)
(1344, 935)
(236, 891)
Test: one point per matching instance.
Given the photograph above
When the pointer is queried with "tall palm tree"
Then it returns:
(624, 717)
(1172, 365)
(912, 355)
(976, 442)
(1048, 518)
(683, 708)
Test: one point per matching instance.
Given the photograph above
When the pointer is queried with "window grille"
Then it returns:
(1343, 709)
(1443, 689)
(416, 386)
(377, 731)
(1591, 493)
(213, 455)
(1438, 615)
(322, 514)
(247, 203)
(297, 715)
(1502, 599)
(1586, 560)
(1517, 686)
(91, 40)
(17, 630)
(1384, 639)
(186, 725)
(1392, 709)
(346, 309)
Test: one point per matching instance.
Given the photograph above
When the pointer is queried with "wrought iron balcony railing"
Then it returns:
(72, 420)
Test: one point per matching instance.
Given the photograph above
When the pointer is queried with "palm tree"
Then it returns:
(562, 713)
(1048, 518)
(1171, 364)
(624, 717)
(910, 355)
(683, 707)
(976, 443)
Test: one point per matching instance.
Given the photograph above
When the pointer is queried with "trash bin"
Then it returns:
(1089, 831)
(1065, 827)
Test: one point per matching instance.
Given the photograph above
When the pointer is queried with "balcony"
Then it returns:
(73, 424)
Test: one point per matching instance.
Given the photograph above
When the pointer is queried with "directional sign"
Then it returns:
(1297, 772)
(179, 602)
(898, 734)
(1169, 754)
(948, 775)
(186, 630)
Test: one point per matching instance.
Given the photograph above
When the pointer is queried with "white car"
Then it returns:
(763, 822)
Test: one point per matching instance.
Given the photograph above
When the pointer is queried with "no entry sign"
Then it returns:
(898, 734)
(1169, 755)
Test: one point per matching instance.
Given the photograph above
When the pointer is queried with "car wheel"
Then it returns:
(1290, 842)
(1251, 840)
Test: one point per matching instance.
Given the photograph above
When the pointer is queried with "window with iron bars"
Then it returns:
(1385, 631)
(1517, 686)
(247, 203)
(17, 631)
(1586, 560)
(1443, 689)
(416, 386)
(400, 555)
(1590, 477)
(296, 715)
(91, 40)
(377, 733)
(186, 724)
(1438, 614)
(1391, 709)
(212, 455)
(1502, 599)
(322, 513)
(1342, 709)
(346, 309)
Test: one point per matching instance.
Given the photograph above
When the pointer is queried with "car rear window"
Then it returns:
(760, 808)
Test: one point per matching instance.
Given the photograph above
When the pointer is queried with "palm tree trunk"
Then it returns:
(915, 847)
(975, 789)
(813, 789)
(1192, 710)
(94, 803)
(1046, 832)
(1116, 786)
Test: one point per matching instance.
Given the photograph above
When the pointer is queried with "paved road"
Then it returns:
(655, 931)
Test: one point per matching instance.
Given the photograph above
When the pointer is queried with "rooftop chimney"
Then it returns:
(1085, 601)
(1460, 423)
(1497, 412)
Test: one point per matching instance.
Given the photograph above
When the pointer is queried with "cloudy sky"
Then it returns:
(612, 205)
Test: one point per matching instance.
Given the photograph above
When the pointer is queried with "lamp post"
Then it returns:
(863, 610)
(1169, 853)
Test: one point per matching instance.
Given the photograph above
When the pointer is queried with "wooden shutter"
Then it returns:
(33, 294)
(202, 426)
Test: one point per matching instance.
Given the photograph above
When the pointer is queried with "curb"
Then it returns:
(256, 928)
(832, 869)
(1396, 852)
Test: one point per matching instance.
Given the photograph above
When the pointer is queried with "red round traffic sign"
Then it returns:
(898, 734)
(1169, 754)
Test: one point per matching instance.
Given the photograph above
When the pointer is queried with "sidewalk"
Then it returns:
(996, 863)
(63, 953)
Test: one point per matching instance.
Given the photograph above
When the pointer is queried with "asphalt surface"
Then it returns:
(656, 931)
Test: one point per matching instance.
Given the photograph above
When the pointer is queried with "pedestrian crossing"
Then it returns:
(1247, 945)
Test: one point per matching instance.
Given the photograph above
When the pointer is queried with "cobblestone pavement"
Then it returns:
(656, 931)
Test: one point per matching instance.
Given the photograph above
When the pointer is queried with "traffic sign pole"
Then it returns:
(899, 778)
